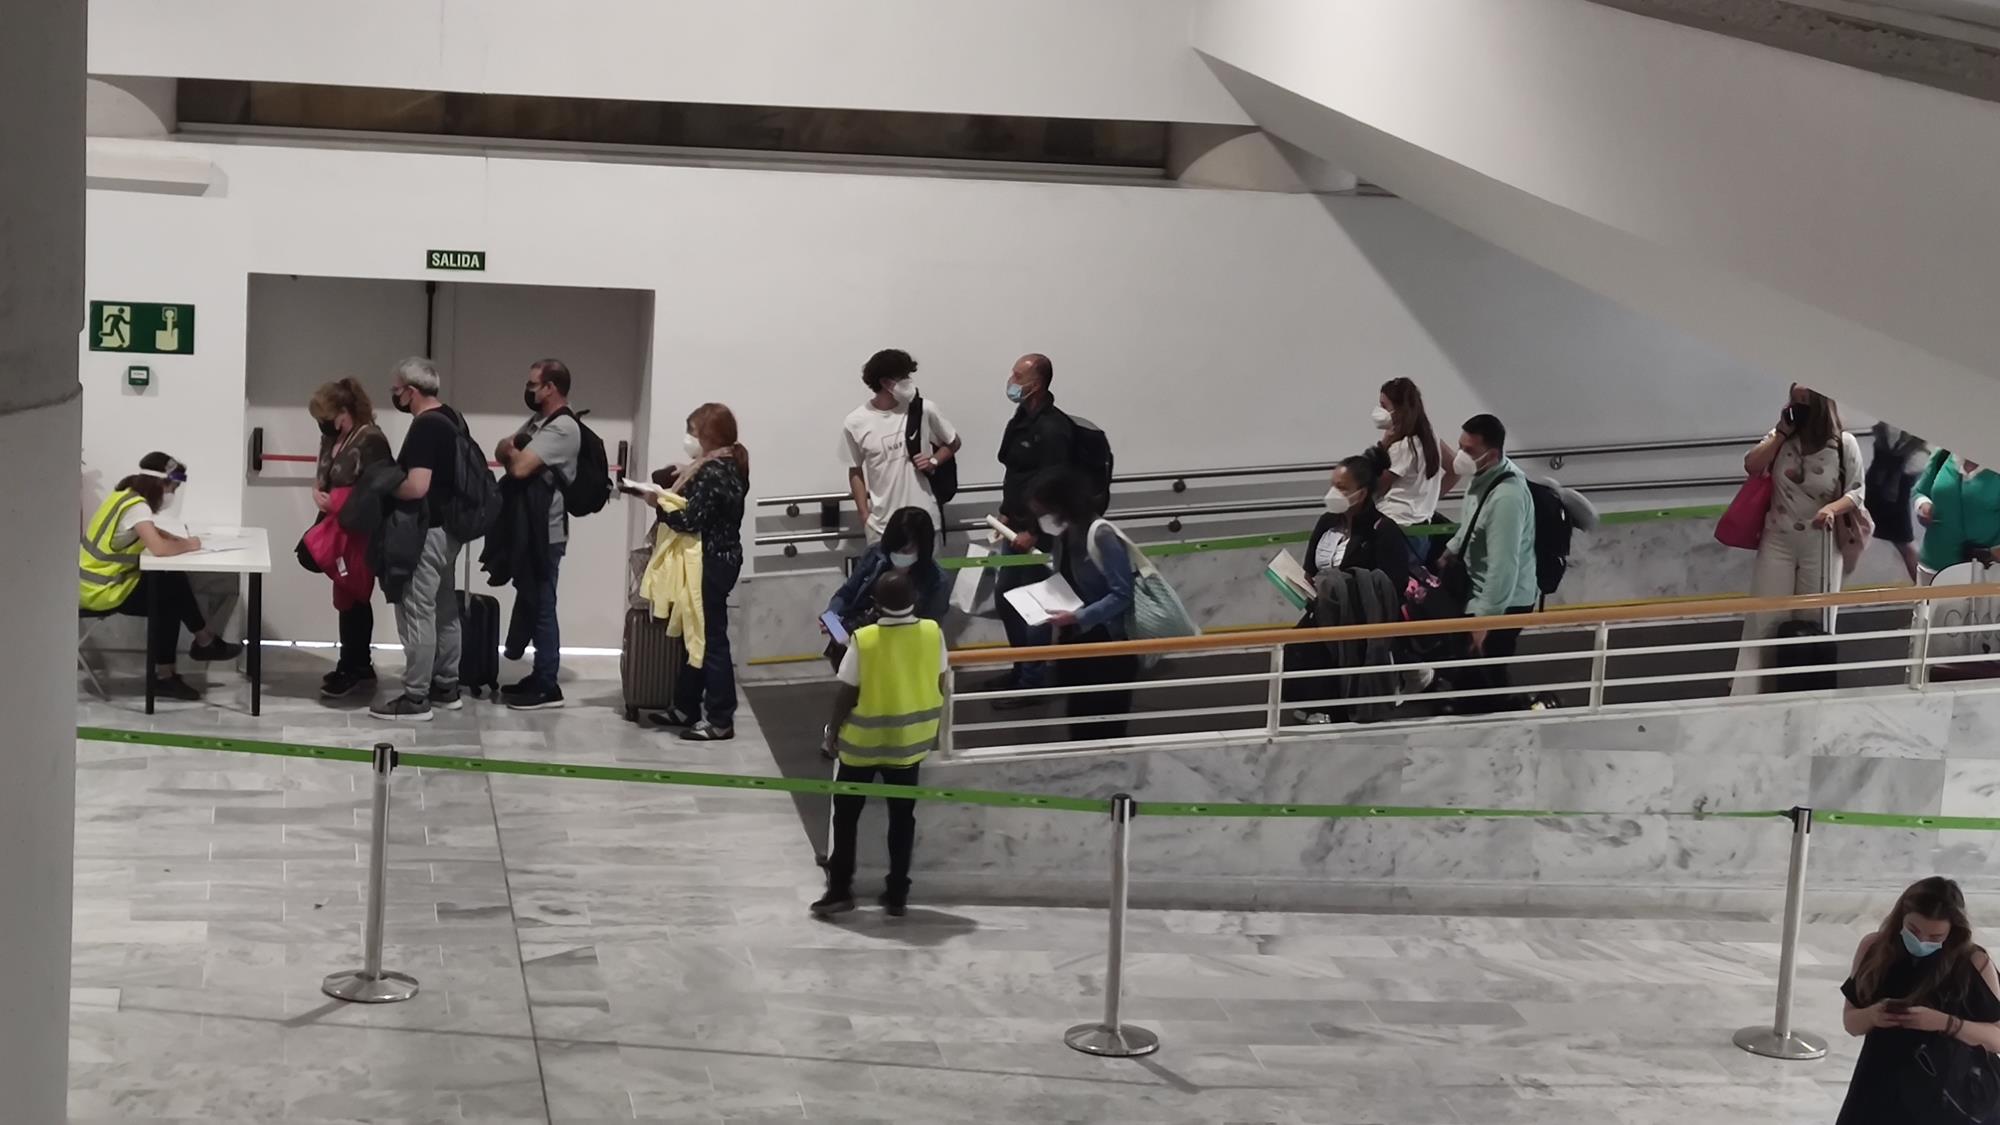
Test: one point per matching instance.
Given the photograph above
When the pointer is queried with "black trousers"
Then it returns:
(177, 608)
(1500, 644)
(357, 629)
(1116, 703)
(847, 817)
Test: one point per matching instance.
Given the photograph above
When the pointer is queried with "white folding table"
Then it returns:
(225, 550)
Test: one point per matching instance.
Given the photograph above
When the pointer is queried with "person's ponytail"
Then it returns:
(742, 458)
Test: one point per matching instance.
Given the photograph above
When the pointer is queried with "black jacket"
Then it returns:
(1031, 446)
(372, 498)
(1376, 543)
(517, 549)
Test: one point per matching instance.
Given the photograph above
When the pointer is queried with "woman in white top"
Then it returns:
(1816, 477)
(1419, 465)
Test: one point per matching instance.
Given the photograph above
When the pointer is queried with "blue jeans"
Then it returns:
(709, 692)
(535, 617)
(1020, 634)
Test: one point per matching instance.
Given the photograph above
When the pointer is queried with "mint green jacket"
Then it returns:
(1964, 513)
(1498, 543)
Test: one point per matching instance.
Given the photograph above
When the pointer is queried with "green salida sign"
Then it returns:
(455, 259)
(130, 326)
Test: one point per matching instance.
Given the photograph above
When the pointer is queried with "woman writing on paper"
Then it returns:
(1089, 553)
(111, 582)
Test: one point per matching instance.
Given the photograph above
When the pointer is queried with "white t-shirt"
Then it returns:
(850, 664)
(128, 525)
(872, 441)
(1414, 498)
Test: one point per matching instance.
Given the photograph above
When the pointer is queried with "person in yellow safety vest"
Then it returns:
(110, 582)
(887, 714)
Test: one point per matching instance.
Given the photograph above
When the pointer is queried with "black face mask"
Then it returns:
(401, 401)
(528, 396)
(328, 428)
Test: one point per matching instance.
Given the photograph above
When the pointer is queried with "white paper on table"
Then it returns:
(217, 541)
(965, 584)
(1037, 603)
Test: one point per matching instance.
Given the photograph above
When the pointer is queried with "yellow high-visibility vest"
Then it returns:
(896, 722)
(107, 575)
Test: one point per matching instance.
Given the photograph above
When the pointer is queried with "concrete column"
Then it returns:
(41, 312)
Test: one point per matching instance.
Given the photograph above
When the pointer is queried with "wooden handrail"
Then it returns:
(1267, 638)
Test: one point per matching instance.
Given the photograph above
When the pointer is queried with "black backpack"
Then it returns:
(1090, 454)
(1553, 528)
(590, 489)
(944, 477)
(474, 505)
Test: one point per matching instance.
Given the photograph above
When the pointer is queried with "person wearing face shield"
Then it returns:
(1925, 1001)
(110, 580)
(882, 474)
(1491, 558)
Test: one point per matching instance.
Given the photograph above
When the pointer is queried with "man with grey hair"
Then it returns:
(427, 614)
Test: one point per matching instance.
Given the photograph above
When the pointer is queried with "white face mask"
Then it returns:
(903, 560)
(1463, 465)
(1053, 525)
(1336, 501)
(692, 444)
(1380, 417)
(903, 391)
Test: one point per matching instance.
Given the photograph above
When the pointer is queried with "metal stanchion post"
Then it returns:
(1112, 1038)
(1274, 702)
(371, 984)
(1599, 659)
(1920, 647)
(1780, 1041)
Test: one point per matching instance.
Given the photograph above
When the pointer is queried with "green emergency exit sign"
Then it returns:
(455, 260)
(129, 326)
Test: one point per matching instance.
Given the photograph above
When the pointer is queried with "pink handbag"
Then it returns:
(1742, 525)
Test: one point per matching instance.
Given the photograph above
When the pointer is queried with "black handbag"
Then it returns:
(1947, 1080)
(944, 477)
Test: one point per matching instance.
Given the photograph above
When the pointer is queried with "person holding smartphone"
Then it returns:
(908, 544)
(1926, 1002)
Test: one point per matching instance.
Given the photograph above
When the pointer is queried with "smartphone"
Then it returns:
(834, 627)
(1895, 1007)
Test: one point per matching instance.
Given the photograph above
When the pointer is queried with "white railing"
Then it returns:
(1249, 701)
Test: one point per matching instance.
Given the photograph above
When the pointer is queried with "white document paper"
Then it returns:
(1037, 603)
(642, 486)
(1001, 532)
(215, 542)
(1289, 576)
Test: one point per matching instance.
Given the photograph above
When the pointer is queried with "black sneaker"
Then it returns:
(448, 698)
(832, 903)
(339, 684)
(706, 731)
(534, 699)
(217, 649)
(173, 687)
(518, 686)
(895, 905)
(403, 709)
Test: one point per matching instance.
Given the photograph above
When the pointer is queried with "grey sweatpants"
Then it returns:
(427, 619)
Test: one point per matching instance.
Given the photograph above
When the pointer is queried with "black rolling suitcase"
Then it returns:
(479, 655)
(1815, 653)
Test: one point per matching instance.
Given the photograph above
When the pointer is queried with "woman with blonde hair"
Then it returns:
(713, 486)
(350, 443)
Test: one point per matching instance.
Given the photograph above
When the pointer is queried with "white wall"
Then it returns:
(304, 331)
(1124, 59)
(1817, 219)
(1201, 328)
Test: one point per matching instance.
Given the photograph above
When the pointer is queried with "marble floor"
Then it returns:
(594, 952)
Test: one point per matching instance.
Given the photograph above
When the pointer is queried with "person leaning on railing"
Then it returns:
(1090, 555)
(1926, 1002)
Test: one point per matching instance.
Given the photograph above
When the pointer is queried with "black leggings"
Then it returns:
(177, 608)
(357, 628)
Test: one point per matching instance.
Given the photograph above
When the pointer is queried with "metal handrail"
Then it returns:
(1175, 513)
(1556, 454)
(1616, 615)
